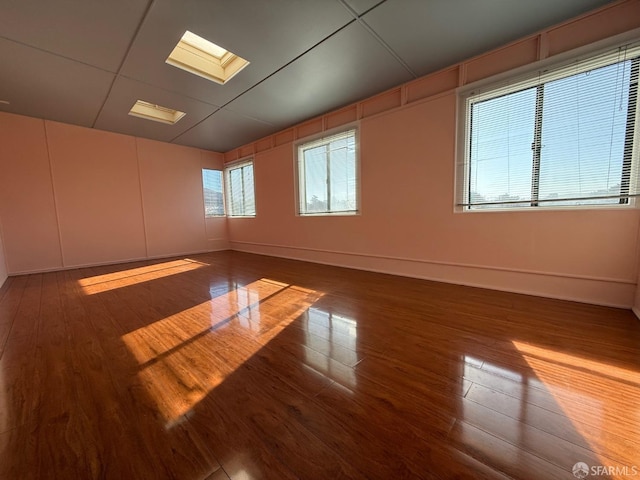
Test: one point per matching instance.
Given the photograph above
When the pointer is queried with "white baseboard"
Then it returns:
(116, 262)
(598, 291)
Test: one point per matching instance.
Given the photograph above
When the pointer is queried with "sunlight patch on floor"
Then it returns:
(580, 363)
(134, 276)
(582, 389)
(185, 356)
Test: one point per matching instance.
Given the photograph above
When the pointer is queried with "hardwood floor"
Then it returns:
(231, 365)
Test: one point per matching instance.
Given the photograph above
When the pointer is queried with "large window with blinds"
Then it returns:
(328, 175)
(241, 199)
(212, 192)
(559, 137)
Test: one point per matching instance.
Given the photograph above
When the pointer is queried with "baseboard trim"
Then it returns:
(114, 262)
(593, 290)
(435, 262)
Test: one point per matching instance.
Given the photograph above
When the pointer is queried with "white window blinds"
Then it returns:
(327, 175)
(212, 190)
(562, 136)
(240, 190)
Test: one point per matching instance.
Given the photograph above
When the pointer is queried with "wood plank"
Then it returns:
(613, 442)
(229, 366)
(26, 317)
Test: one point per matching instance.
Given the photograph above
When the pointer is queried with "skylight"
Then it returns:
(201, 57)
(157, 113)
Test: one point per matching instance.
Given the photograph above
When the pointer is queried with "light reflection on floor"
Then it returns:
(185, 356)
(325, 332)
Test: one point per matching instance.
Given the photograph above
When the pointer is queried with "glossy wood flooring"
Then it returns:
(239, 366)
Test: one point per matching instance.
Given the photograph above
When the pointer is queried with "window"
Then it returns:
(212, 189)
(563, 136)
(241, 200)
(328, 175)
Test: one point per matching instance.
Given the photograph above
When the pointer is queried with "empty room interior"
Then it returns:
(319, 239)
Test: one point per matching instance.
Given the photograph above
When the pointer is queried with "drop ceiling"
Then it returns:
(86, 62)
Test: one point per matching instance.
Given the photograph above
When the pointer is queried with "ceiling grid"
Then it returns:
(87, 63)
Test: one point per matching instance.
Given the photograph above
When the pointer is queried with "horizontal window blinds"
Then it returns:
(240, 190)
(212, 190)
(327, 175)
(558, 137)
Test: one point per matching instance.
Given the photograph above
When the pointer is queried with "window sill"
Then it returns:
(566, 208)
(330, 214)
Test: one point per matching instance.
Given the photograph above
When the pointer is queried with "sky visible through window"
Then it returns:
(584, 119)
(241, 191)
(330, 177)
(212, 187)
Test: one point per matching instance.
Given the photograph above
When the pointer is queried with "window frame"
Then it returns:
(222, 188)
(316, 140)
(228, 168)
(544, 71)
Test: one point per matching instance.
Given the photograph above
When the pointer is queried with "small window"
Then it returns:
(241, 200)
(563, 136)
(213, 196)
(328, 175)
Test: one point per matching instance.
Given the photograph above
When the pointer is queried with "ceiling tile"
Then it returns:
(307, 57)
(433, 34)
(348, 67)
(115, 114)
(42, 85)
(361, 6)
(93, 32)
(268, 34)
(225, 130)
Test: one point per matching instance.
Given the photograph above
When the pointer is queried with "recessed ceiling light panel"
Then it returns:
(201, 57)
(157, 113)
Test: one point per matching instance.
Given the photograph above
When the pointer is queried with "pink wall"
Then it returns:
(636, 303)
(97, 194)
(175, 221)
(27, 208)
(72, 196)
(3, 264)
(407, 223)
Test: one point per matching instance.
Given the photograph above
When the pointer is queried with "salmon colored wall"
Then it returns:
(72, 196)
(175, 223)
(3, 264)
(407, 223)
(408, 226)
(636, 303)
(27, 207)
(97, 194)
